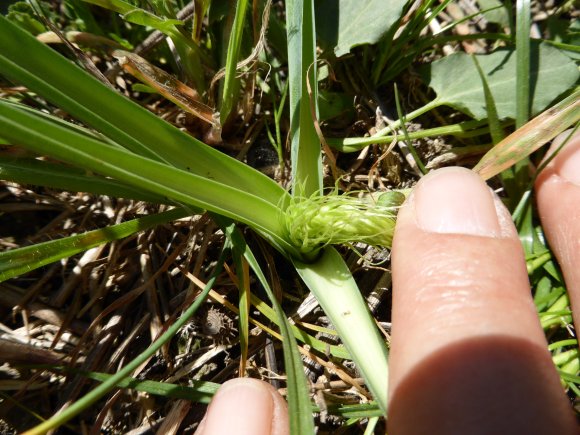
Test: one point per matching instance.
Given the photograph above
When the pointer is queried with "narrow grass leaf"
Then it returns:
(495, 129)
(199, 391)
(299, 334)
(462, 130)
(231, 81)
(243, 282)
(419, 164)
(530, 137)
(97, 393)
(45, 137)
(304, 142)
(58, 176)
(18, 261)
(523, 64)
(25, 60)
(300, 410)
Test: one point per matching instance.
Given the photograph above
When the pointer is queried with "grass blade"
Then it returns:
(231, 81)
(495, 129)
(300, 410)
(200, 391)
(25, 60)
(305, 145)
(530, 137)
(522, 62)
(21, 260)
(47, 174)
(42, 136)
(95, 394)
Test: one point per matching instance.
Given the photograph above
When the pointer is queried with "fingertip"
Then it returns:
(461, 305)
(455, 200)
(558, 197)
(566, 164)
(245, 406)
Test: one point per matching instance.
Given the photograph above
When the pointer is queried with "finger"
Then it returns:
(468, 354)
(246, 406)
(558, 197)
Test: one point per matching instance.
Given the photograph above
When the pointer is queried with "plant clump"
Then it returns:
(316, 221)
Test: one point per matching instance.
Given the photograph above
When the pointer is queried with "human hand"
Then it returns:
(468, 354)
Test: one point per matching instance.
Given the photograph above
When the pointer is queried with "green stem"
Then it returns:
(332, 284)
(522, 62)
(463, 130)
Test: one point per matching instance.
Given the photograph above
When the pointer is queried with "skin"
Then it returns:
(468, 355)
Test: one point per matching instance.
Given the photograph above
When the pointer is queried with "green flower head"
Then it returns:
(341, 219)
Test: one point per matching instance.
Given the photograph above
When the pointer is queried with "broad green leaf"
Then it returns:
(21, 260)
(457, 84)
(344, 24)
(331, 282)
(497, 15)
(334, 104)
(25, 60)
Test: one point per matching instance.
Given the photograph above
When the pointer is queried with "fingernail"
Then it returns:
(568, 160)
(456, 200)
(241, 406)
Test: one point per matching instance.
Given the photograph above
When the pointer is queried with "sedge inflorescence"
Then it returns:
(316, 221)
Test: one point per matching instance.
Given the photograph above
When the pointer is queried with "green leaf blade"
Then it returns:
(43, 136)
(25, 60)
(350, 23)
(22, 260)
(457, 83)
(305, 144)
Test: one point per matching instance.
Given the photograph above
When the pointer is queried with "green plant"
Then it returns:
(127, 151)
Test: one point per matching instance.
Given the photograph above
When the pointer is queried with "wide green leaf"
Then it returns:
(344, 24)
(457, 83)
